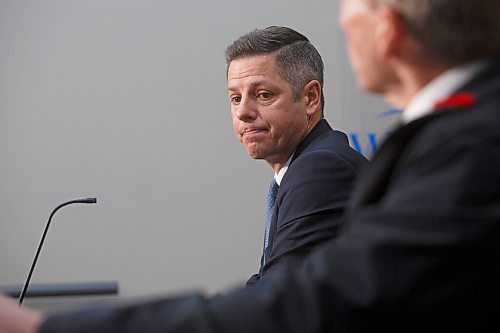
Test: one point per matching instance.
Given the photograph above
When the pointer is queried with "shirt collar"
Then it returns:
(279, 176)
(445, 84)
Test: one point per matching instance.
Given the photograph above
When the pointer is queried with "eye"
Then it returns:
(235, 99)
(265, 95)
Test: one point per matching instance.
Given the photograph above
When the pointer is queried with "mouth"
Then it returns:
(253, 131)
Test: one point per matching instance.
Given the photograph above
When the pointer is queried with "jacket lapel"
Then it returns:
(372, 184)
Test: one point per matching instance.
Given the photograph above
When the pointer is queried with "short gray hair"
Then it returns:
(453, 31)
(297, 59)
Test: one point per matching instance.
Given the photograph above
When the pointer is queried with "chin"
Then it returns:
(369, 86)
(254, 151)
(255, 156)
(362, 82)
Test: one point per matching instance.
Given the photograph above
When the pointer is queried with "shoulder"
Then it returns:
(331, 147)
(323, 166)
(463, 130)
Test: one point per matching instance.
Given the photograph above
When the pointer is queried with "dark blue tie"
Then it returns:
(271, 200)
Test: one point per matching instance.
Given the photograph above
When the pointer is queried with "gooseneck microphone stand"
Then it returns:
(26, 284)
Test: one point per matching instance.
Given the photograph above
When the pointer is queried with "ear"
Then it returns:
(311, 95)
(390, 32)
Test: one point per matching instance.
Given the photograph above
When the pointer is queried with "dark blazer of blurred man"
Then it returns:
(420, 250)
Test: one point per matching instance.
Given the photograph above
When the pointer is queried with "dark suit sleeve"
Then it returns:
(424, 257)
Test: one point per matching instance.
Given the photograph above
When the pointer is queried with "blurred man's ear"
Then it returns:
(390, 32)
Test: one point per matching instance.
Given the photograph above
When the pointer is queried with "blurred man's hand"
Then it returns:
(15, 319)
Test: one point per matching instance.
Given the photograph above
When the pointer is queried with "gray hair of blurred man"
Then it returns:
(452, 31)
(297, 60)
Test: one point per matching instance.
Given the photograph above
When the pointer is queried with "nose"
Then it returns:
(246, 110)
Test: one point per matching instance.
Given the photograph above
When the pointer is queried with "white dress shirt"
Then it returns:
(279, 176)
(438, 89)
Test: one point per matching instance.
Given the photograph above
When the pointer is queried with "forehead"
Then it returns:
(253, 68)
(353, 5)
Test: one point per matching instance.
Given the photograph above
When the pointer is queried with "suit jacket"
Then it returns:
(311, 198)
(420, 250)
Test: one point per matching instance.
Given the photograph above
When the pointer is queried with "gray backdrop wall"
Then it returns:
(126, 100)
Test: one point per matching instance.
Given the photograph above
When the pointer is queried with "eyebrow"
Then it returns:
(253, 84)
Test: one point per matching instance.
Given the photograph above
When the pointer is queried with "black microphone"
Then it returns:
(26, 284)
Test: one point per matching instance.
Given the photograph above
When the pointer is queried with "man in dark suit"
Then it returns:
(275, 88)
(420, 249)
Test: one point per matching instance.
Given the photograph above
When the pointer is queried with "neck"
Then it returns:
(411, 79)
(277, 165)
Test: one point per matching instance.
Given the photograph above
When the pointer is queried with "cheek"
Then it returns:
(356, 45)
(353, 59)
(290, 126)
(235, 122)
(362, 59)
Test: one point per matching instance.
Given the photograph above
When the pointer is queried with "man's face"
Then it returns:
(266, 117)
(358, 21)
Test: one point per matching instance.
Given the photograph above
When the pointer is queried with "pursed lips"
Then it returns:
(253, 131)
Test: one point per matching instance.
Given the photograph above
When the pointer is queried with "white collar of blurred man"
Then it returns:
(424, 102)
(267, 118)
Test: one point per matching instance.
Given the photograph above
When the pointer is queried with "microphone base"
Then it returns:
(63, 289)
